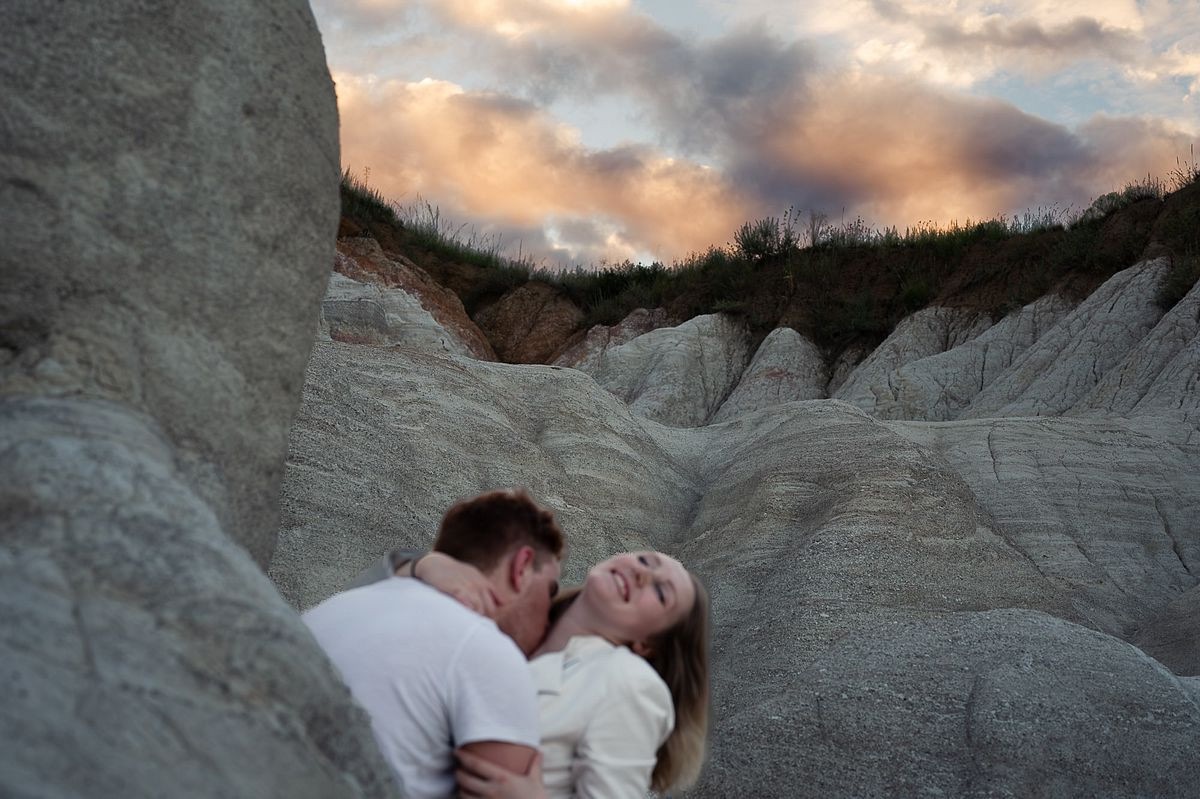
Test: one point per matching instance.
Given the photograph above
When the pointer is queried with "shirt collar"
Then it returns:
(548, 669)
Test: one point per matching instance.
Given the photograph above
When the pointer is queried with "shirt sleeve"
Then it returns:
(491, 695)
(616, 755)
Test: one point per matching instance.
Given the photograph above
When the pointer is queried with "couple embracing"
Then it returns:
(612, 701)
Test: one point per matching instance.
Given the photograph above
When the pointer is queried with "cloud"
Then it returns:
(739, 125)
(897, 153)
(503, 160)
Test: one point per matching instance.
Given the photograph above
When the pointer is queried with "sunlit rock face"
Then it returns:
(363, 313)
(786, 367)
(1160, 373)
(170, 198)
(899, 607)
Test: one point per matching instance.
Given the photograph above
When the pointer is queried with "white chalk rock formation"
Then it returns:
(927, 332)
(1069, 361)
(943, 385)
(586, 353)
(786, 367)
(1161, 373)
(363, 260)
(876, 587)
(364, 313)
(678, 376)
(1105, 506)
(169, 175)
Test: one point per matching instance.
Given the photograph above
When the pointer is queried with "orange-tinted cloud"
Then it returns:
(744, 123)
(898, 153)
(503, 160)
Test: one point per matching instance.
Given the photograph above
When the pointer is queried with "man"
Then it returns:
(434, 675)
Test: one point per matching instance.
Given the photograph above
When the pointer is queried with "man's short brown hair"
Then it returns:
(481, 531)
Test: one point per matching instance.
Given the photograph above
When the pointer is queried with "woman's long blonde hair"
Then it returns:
(680, 656)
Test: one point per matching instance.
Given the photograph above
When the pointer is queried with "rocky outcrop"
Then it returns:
(927, 332)
(1116, 530)
(877, 588)
(1068, 362)
(943, 385)
(678, 375)
(786, 367)
(170, 199)
(361, 313)
(530, 324)
(1160, 373)
(362, 260)
(586, 353)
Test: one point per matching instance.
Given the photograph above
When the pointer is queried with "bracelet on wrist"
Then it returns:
(415, 564)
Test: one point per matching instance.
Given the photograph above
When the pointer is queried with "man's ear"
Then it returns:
(643, 648)
(520, 566)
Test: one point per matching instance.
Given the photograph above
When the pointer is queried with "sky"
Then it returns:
(588, 132)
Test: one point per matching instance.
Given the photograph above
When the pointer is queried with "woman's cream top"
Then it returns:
(604, 713)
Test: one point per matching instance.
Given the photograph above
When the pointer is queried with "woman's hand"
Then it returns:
(457, 579)
(482, 779)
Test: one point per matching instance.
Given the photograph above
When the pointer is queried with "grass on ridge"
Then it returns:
(853, 280)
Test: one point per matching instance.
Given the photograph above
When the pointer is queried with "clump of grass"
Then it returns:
(1186, 171)
(364, 204)
(1150, 188)
(465, 243)
(1179, 280)
(768, 238)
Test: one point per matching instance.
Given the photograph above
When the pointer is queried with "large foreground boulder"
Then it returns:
(168, 184)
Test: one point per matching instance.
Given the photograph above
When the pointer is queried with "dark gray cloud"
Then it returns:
(1081, 37)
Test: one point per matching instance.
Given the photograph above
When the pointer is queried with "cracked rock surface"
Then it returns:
(170, 200)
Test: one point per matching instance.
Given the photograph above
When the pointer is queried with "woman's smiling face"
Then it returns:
(636, 595)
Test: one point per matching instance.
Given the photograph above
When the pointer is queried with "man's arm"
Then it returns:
(510, 757)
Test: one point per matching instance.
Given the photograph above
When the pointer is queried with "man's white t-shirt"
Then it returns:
(431, 674)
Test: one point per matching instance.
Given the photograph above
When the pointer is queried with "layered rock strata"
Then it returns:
(586, 353)
(1068, 362)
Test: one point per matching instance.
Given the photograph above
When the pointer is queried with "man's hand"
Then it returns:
(480, 778)
(457, 579)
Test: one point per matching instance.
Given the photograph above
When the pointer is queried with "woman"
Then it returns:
(622, 687)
